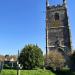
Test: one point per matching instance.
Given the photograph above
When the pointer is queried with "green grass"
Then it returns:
(27, 72)
(37, 72)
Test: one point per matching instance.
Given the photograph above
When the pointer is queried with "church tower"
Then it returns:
(57, 27)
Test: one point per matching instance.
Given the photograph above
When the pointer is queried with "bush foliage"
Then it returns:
(55, 59)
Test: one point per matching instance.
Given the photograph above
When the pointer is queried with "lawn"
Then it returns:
(27, 72)
(36, 72)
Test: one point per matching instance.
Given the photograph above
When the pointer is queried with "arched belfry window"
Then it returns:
(56, 16)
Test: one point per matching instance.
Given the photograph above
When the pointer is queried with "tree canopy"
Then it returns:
(31, 56)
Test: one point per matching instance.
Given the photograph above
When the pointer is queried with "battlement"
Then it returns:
(55, 8)
(63, 5)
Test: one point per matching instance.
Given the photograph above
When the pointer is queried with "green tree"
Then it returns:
(31, 56)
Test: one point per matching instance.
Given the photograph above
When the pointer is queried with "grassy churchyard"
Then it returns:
(36, 72)
(27, 72)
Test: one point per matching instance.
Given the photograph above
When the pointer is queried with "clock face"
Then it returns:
(56, 23)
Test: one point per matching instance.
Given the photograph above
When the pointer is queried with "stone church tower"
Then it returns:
(57, 27)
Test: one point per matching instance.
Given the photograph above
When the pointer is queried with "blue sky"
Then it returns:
(23, 22)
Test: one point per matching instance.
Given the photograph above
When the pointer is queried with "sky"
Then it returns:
(22, 22)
